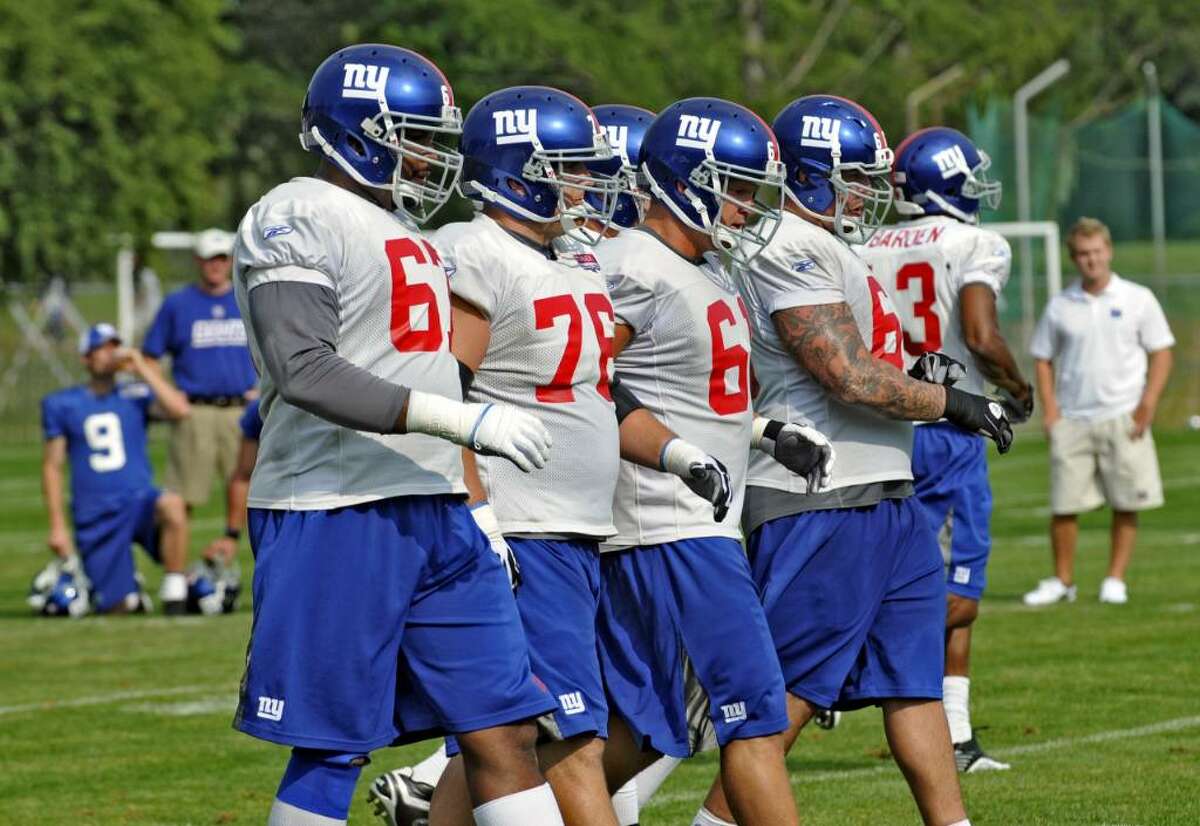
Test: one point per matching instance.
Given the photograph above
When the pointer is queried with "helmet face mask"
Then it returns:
(868, 190)
(597, 201)
(742, 243)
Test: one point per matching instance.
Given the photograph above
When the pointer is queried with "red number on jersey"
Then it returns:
(598, 305)
(885, 340)
(406, 296)
(545, 310)
(931, 338)
(723, 359)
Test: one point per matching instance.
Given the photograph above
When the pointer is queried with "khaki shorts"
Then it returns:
(203, 446)
(1092, 463)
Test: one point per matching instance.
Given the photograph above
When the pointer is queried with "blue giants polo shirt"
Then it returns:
(106, 444)
(207, 342)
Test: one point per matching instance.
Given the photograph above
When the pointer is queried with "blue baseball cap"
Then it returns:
(96, 336)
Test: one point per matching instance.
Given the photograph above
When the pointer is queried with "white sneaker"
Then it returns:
(1050, 591)
(1113, 590)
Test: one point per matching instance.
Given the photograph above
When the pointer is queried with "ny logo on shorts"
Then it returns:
(270, 708)
(734, 712)
(572, 703)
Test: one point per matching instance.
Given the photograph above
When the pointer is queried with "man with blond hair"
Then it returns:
(1102, 352)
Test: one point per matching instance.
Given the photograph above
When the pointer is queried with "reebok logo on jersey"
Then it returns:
(820, 133)
(618, 139)
(803, 265)
(734, 712)
(696, 132)
(276, 230)
(516, 126)
(270, 708)
(363, 81)
(572, 703)
(951, 161)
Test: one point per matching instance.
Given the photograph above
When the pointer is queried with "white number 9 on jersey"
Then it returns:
(104, 437)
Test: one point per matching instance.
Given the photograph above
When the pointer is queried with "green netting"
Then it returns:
(1099, 168)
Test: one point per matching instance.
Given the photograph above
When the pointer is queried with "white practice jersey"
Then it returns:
(805, 266)
(394, 303)
(925, 264)
(550, 354)
(688, 363)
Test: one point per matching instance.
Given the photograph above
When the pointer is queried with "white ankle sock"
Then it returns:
(174, 588)
(532, 807)
(706, 818)
(285, 814)
(956, 699)
(430, 769)
(963, 822)
(625, 804)
(653, 776)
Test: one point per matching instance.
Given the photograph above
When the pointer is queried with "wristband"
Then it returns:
(233, 533)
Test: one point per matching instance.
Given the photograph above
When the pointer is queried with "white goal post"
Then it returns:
(1047, 231)
(125, 275)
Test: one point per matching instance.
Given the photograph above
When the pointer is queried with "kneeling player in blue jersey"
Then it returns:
(381, 614)
(100, 427)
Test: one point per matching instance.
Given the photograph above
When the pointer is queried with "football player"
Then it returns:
(380, 611)
(401, 797)
(533, 328)
(851, 578)
(100, 428)
(945, 273)
(677, 584)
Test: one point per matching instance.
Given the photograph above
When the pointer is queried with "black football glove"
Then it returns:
(938, 368)
(1018, 410)
(981, 415)
(704, 474)
(802, 449)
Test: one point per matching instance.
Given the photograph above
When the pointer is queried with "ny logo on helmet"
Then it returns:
(820, 133)
(515, 126)
(363, 81)
(696, 132)
(951, 161)
(618, 139)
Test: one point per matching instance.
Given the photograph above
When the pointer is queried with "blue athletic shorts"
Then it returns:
(557, 600)
(691, 599)
(381, 623)
(950, 466)
(856, 601)
(105, 543)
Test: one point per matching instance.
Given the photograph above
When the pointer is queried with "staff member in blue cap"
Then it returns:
(201, 328)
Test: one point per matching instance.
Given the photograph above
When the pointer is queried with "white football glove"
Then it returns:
(800, 448)
(938, 368)
(485, 518)
(704, 474)
(489, 429)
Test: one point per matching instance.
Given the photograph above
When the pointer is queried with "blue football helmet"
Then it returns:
(516, 143)
(624, 127)
(837, 156)
(692, 152)
(68, 598)
(939, 171)
(371, 107)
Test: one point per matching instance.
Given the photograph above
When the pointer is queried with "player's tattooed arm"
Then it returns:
(824, 340)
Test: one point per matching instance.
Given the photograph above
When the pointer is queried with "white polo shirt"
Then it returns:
(1098, 345)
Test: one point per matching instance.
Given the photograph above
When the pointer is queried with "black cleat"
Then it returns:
(175, 607)
(398, 800)
(827, 718)
(970, 757)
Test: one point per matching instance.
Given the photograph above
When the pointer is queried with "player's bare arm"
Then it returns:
(169, 402)
(824, 340)
(981, 332)
(54, 454)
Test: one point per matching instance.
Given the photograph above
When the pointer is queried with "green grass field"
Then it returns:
(127, 720)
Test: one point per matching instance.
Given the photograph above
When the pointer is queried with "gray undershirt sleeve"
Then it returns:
(296, 328)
